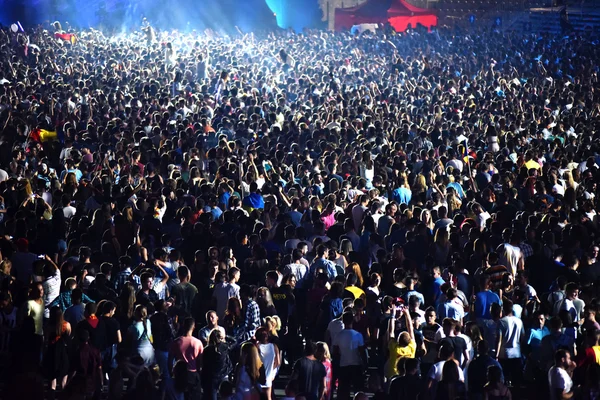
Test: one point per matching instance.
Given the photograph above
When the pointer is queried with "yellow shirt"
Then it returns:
(532, 165)
(396, 353)
(356, 291)
(596, 350)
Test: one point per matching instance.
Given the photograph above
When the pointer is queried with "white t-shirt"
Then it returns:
(69, 211)
(435, 373)
(558, 378)
(334, 328)
(512, 255)
(482, 218)
(512, 331)
(349, 341)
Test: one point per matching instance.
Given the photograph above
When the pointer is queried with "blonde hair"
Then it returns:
(251, 360)
(355, 269)
(6, 266)
(27, 188)
(420, 184)
(273, 324)
(568, 177)
(441, 237)
(426, 218)
(322, 353)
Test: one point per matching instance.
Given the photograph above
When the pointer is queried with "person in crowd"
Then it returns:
(510, 335)
(271, 359)
(403, 346)
(249, 373)
(140, 335)
(56, 359)
(560, 379)
(349, 347)
(176, 386)
(162, 336)
(495, 388)
(451, 386)
(184, 292)
(212, 323)
(189, 349)
(310, 374)
(478, 370)
(216, 357)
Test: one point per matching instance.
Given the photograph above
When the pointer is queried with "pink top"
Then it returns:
(188, 349)
(327, 364)
(328, 219)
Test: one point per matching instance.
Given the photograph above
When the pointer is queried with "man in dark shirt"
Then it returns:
(310, 374)
(146, 296)
(163, 335)
(283, 298)
(477, 372)
(184, 292)
(456, 342)
(410, 385)
(95, 327)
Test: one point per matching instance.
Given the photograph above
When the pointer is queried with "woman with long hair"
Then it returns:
(273, 325)
(324, 356)
(479, 254)
(140, 334)
(125, 227)
(354, 268)
(233, 320)
(126, 306)
(346, 247)
(419, 186)
(270, 357)
(216, 354)
(264, 299)
(368, 228)
(440, 248)
(57, 338)
(427, 220)
(474, 333)
(249, 373)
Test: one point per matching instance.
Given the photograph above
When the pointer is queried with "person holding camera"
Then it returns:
(404, 346)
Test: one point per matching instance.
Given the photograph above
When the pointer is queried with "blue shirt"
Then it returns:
(437, 291)
(327, 265)
(296, 217)
(216, 212)
(224, 199)
(458, 188)
(483, 303)
(254, 200)
(402, 195)
(535, 339)
(410, 293)
(449, 309)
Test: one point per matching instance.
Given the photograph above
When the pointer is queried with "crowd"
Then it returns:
(386, 216)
